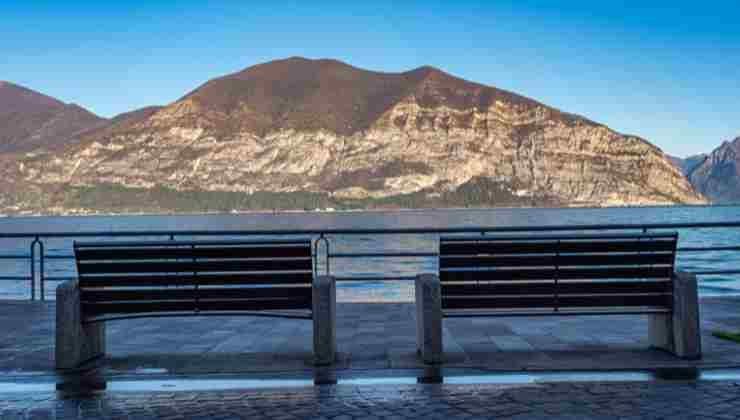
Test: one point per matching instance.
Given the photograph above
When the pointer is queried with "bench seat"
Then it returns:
(124, 280)
(561, 275)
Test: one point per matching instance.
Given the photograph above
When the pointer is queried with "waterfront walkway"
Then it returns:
(661, 400)
(369, 336)
(375, 340)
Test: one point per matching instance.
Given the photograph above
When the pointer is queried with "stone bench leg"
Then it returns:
(429, 318)
(324, 320)
(75, 343)
(679, 332)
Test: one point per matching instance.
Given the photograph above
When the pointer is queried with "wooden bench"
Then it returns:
(122, 280)
(566, 274)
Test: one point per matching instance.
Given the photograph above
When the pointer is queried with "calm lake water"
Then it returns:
(384, 291)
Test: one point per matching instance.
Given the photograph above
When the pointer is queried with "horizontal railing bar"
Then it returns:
(15, 278)
(15, 257)
(377, 231)
(59, 278)
(59, 257)
(385, 255)
(711, 272)
(709, 248)
(376, 278)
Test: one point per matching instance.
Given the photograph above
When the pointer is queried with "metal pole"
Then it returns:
(33, 268)
(42, 275)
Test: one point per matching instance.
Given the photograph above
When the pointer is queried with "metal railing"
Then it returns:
(37, 259)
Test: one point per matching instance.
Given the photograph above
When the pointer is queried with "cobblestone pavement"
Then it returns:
(644, 400)
(369, 336)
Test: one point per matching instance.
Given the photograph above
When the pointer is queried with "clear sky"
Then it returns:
(668, 71)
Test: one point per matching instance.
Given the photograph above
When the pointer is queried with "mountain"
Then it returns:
(688, 164)
(29, 120)
(301, 133)
(717, 175)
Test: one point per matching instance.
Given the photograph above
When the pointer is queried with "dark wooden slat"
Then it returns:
(510, 312)
(288, 314)
(96, 309)
(551, 301)
(562, 274)
(561, 237)
(527, 247)
(98, 295)
(304, 277)
(209, 242)
(84, 255)
(197, 266)
(625, 287)
(559, 260)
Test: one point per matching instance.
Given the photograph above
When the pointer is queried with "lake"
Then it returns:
(369, 267)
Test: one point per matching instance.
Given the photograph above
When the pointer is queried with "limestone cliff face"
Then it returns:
(324, 126)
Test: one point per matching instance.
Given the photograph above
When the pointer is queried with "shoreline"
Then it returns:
(357, 211)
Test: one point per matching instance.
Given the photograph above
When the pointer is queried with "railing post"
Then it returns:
(33, 268)
(37, 241)
(42, 271)
(323, 239)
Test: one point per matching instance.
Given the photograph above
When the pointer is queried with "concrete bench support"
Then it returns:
(75, 343)
(679, 332)
(429, 318)
(324, 320)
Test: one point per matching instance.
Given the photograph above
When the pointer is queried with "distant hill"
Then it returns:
(302, 133)
(717, 175)
(30, 120)
(688, 164)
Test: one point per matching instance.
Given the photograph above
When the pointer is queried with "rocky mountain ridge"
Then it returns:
(717, 175)
(350, 137)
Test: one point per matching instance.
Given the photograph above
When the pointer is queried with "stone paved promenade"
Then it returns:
(377, 338)
(369, 336)
(661, 400)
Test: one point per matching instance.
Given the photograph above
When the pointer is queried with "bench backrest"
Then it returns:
(558, 273)
(120, 279)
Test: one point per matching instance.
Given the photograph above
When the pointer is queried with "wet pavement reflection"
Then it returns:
(88, 382)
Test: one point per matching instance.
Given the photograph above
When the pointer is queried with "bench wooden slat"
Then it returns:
(97, 295)
(96, 309)
(622, 287)
(195, 266)
(304, 277)
(562, 236)
(500, 302)
(562, 274)
(92, 254)
(181, 242)
(134, 278)
(509, 312)
(551, 247)
(559, 260)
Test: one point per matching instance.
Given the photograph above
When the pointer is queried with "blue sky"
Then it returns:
(668, 72)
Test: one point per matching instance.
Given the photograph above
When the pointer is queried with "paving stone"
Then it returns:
(369, 336)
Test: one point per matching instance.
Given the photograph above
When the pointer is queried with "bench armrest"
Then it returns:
(429, 318)
(324, 301)
(686, 321)
(75, 342)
